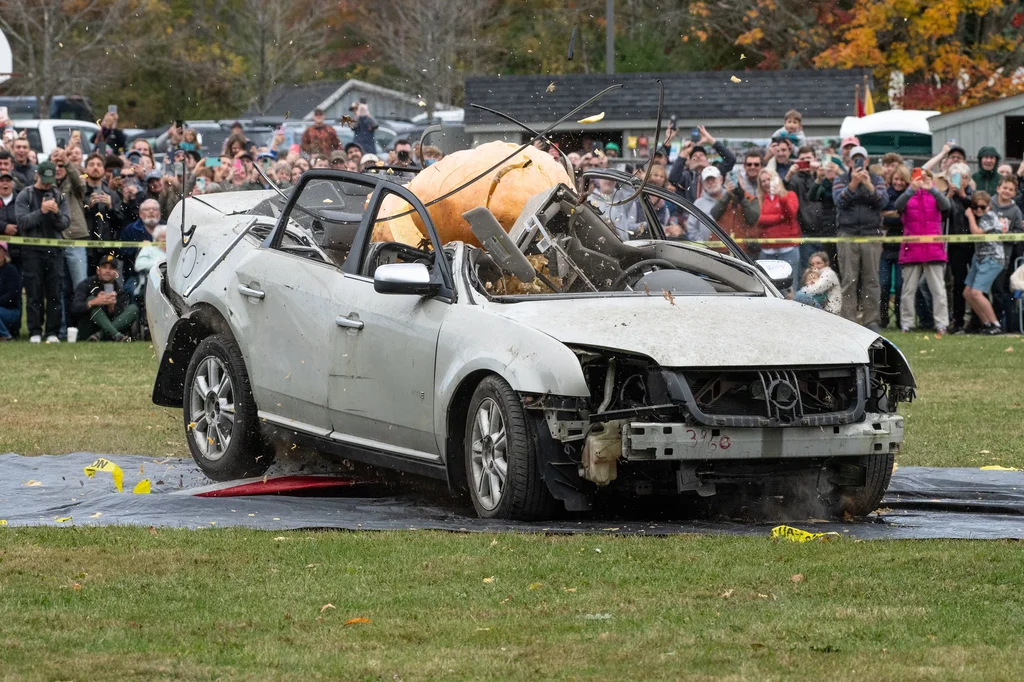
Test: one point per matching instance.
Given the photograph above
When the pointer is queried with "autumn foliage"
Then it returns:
(950, 53)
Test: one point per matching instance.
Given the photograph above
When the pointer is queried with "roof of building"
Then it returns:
(999, 107)
(708, 95)
(299, 101)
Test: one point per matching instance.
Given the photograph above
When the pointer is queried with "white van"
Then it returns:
(45, 134)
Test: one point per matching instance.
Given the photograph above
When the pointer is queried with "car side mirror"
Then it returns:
(779, 272)
(404, 278)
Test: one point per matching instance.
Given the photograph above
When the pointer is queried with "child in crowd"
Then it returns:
(987, 263)
(793, 129)
(821, 287)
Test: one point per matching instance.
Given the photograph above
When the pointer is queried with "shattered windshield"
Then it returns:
(559, 246)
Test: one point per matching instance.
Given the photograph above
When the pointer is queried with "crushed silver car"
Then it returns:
(556, 364)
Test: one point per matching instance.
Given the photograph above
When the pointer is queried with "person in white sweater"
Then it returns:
(826, 286)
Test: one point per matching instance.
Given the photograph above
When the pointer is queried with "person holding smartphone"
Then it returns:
(693, 159)
(100, 310)
(860, 196)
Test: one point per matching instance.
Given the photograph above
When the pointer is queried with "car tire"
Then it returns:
(502, 467)
(221, 423)
(862, 501)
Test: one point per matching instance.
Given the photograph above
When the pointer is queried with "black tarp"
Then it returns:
(54, 490)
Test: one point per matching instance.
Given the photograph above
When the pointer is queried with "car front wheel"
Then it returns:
(861, 501)
(501, 460)
(221, 424)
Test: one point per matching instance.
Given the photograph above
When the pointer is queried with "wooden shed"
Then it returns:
(998, 124)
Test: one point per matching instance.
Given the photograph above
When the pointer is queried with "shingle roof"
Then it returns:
(298, 100)
(816, 93)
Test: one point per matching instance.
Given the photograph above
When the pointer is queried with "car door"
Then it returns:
(382, 375)
(293, 280)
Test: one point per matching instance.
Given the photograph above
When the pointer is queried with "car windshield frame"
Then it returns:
(378, 187)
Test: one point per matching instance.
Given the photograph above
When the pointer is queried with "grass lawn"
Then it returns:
(134, 603)
(96, 397)
(124, 603)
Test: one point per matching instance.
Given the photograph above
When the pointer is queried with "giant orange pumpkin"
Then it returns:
(505, 191)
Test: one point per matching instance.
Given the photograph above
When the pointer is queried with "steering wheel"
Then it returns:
(637, 268)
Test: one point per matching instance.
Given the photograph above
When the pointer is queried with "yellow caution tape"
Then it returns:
(106, 465)
(62, 519)
(71, 243)
(797, 535)
(918, 239)
(142, 487)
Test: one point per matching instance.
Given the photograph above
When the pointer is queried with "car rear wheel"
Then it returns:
(502, 468)
(861, 501)
(221, 424)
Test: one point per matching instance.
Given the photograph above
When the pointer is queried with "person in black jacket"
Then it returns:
(890, 275)
(108, 139)
(104, 213)
(101, 310)
(10, 296)
(42, 212)
(693, 159)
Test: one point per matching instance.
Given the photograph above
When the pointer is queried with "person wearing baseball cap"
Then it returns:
(10, 295)
(42, 213)
(714, 189)
(101, 312)
(860, 196)
(847, 144)
(320, 138)
(338, 159)
(612, 150)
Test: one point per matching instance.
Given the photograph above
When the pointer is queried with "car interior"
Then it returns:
(574, 250)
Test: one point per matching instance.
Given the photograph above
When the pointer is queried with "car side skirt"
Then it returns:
(356, 449)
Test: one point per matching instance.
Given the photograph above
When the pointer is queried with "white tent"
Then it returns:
(892, 121)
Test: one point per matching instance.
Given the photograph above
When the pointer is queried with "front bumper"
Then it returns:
(649, 441)
(160, 313)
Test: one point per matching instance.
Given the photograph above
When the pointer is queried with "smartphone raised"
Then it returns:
(916, 174)
(803, 165)
(112, 109)
(695, 135)
(858, 163)
(108, 288)
(3, 112)
(213, 162)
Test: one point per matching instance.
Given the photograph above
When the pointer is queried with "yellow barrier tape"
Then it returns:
(797, 535)
(142, 487)
(106, 465)
(921, 239)
(70, 243)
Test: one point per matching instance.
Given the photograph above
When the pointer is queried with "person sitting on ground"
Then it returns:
(10, 296)
(101, 312)
(793, 128)
(986, 264)
(827, 284)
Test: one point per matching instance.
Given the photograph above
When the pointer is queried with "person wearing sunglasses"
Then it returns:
(987, 263)
(738, 210)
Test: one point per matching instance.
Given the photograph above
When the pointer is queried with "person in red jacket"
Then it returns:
(778, 219)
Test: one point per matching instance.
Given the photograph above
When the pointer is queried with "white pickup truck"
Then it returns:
(46, 134)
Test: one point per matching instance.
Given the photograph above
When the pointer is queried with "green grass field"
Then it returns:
(136, 603)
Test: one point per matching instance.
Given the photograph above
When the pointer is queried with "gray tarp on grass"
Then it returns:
(924, 503)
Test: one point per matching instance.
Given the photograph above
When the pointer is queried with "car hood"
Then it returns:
(699, 331)
(230, 203)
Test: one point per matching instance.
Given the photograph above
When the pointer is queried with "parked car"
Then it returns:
(641, 367)
(44, 135)
(31, 107)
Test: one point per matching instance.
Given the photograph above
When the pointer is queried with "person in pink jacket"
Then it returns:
(922, 206)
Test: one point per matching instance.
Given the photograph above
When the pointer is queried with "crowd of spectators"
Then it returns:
(793, 189)
(788, 191)
(122, 191)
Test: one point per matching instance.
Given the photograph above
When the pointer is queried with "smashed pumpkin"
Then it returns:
(505, 191)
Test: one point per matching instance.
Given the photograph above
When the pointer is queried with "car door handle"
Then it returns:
(348, 323)
(251, 293)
